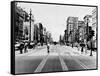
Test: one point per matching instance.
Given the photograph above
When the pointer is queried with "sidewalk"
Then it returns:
(85, 52)
(37, 48)
(74, 51)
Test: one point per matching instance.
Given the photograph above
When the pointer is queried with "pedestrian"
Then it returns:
(25, 48)
(78, 47)
(21, 48)
(48, 47)
(72, 45)
(82, 49)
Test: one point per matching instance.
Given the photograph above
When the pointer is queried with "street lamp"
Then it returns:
(87, 28)
(30, 25)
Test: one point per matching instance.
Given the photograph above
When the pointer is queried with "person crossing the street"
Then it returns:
(48, 48)
(25, 47)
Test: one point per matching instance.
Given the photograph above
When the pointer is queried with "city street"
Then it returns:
(53, 38)
(60, 58)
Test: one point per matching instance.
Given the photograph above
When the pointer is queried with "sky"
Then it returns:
(54, 17)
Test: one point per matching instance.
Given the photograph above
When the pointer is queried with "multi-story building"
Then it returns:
(21, 16)
(61, 39)
(81, 31)
(94, 25)
(72, 26)
(44, 34)
(26, 28)
(40, 34)
(19, 23)
(35, 37)
(88, 22)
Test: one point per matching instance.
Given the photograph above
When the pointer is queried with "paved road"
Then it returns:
(60, 58)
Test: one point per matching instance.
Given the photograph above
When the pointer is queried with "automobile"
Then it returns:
(31, 45)
(55, 43)
(82, 45)
(75, 44)
(44, 43)
(17, 46)
(39, 44)
(68, 44)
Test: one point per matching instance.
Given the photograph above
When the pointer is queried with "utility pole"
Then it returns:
(30, 25)
(87, 29)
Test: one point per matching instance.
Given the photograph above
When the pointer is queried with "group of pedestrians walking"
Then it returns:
(23, 46)
(84, 47)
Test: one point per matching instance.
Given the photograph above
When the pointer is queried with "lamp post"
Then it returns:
(87, 29)
(30, 25)
(87, 34)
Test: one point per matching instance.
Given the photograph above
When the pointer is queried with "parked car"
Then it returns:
(82, 45)
(39, 44)
(68, 44)
(17, 45)
(31, 45)
(75, 44)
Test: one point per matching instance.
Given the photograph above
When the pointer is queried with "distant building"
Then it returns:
(81, 30)
(61, 39)
(26, 25)
(35, 37)
(44, 34)
(50, 38)
(48, 34)
(40, 34)
(72, 26)
(26, 30)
